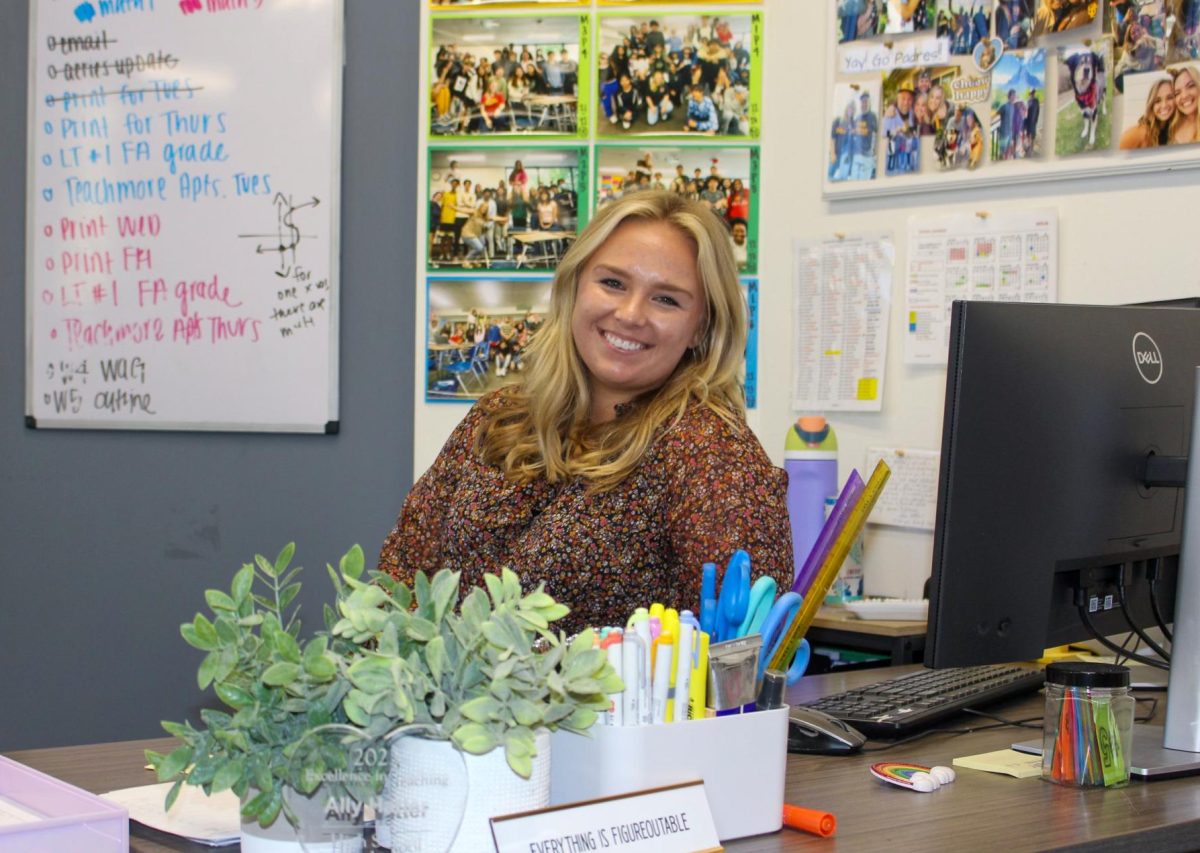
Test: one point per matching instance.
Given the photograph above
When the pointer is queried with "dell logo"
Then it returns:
(1147, 357)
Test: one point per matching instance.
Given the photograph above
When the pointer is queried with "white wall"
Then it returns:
(1121, 239)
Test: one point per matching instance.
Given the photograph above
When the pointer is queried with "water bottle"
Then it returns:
(810, 459)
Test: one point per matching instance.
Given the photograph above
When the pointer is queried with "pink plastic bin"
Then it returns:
(72, 819)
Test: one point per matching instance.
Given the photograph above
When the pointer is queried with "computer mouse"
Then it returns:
(813, 731)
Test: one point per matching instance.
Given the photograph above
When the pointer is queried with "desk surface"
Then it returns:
(979, 810)
(831, 618)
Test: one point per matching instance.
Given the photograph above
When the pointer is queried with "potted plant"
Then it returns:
(485, 677)
(281, 746)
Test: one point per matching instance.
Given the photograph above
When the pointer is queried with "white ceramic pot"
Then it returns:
(438, 799)
(319, 830)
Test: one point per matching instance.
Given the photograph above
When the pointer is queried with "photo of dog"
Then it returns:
(1057, 16)
(1084, 121)
(960, 142)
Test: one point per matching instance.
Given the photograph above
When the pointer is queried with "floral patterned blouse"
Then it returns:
(702, 490)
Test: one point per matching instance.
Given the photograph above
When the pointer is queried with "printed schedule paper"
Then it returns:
(841, 302)
(1005, 257)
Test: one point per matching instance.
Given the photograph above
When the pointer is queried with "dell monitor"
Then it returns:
(1064, 444)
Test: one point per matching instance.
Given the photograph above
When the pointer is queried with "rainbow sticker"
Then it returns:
(897, 772)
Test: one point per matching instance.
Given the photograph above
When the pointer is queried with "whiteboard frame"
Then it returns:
(1050, 167)
(332, 423)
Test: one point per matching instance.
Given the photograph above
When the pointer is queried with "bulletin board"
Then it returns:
(182, 215)
(522, 119)
(978, 73)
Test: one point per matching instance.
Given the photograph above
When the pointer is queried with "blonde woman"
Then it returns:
(1184, 128)
(1151, 128)
(621, 460)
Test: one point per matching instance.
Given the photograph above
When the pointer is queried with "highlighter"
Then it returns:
(614, 649)
(698, 689)
(670, 624)
(631, 674)
(664, 649)
(685, 659)
(817, 822)
(656, 610)
(639, 622)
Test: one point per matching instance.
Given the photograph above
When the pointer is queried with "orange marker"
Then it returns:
(810, 820)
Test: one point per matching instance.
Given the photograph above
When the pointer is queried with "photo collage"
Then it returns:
(971, 84)
(538, 114)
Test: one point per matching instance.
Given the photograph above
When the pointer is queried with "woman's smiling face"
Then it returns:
(1186, 93)
(639, 306)
(1164, 101)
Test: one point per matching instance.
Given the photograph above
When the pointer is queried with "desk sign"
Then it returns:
(671, 819)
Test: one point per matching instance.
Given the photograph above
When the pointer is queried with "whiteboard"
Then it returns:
(182, 214)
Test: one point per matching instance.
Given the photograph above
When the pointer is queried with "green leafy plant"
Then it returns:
(485, 674)
(286, 725)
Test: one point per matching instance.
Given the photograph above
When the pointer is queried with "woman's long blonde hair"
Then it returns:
(542, 427)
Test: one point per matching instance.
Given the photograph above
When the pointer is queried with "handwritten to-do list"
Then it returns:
(182, 214)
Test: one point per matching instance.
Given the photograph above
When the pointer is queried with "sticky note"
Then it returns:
(1022, 765)
(868, 388)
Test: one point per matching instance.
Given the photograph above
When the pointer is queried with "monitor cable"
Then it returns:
(1138, 629)
(1086, 619)
(1153, 570)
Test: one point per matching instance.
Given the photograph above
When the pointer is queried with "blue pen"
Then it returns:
(708, 598)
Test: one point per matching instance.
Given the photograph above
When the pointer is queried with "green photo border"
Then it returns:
(753, 244)
(583, 206)
(754, 108)
(583, 102)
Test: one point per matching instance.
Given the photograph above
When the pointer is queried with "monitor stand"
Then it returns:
(1174, 750)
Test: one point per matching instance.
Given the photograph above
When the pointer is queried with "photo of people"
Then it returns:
(1160, 108)
(1058, 16)
(724, 179)
(477, 331)
(676, 74)
(854, 132)
(1014, 22)
(1141, 33)
(507, 75)
(901, 138)
(987, 53)
(1185, 39)
(908, 16)
(1084, 117)
(860, 19)
(504, 208)
(1018, 92)
(965, 23)
(959, 143)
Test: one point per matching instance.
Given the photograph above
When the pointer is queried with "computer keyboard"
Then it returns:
(909, 703)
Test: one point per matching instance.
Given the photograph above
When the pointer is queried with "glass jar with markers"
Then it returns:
(1088, 725)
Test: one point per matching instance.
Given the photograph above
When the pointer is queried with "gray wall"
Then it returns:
(108, 539)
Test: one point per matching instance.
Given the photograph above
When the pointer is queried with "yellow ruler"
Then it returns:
(815, 596)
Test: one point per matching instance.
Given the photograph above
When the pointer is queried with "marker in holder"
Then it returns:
(1088, 724)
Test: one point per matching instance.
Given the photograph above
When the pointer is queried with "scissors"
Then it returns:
(762, 596)
(735, 596)
(774, 627)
